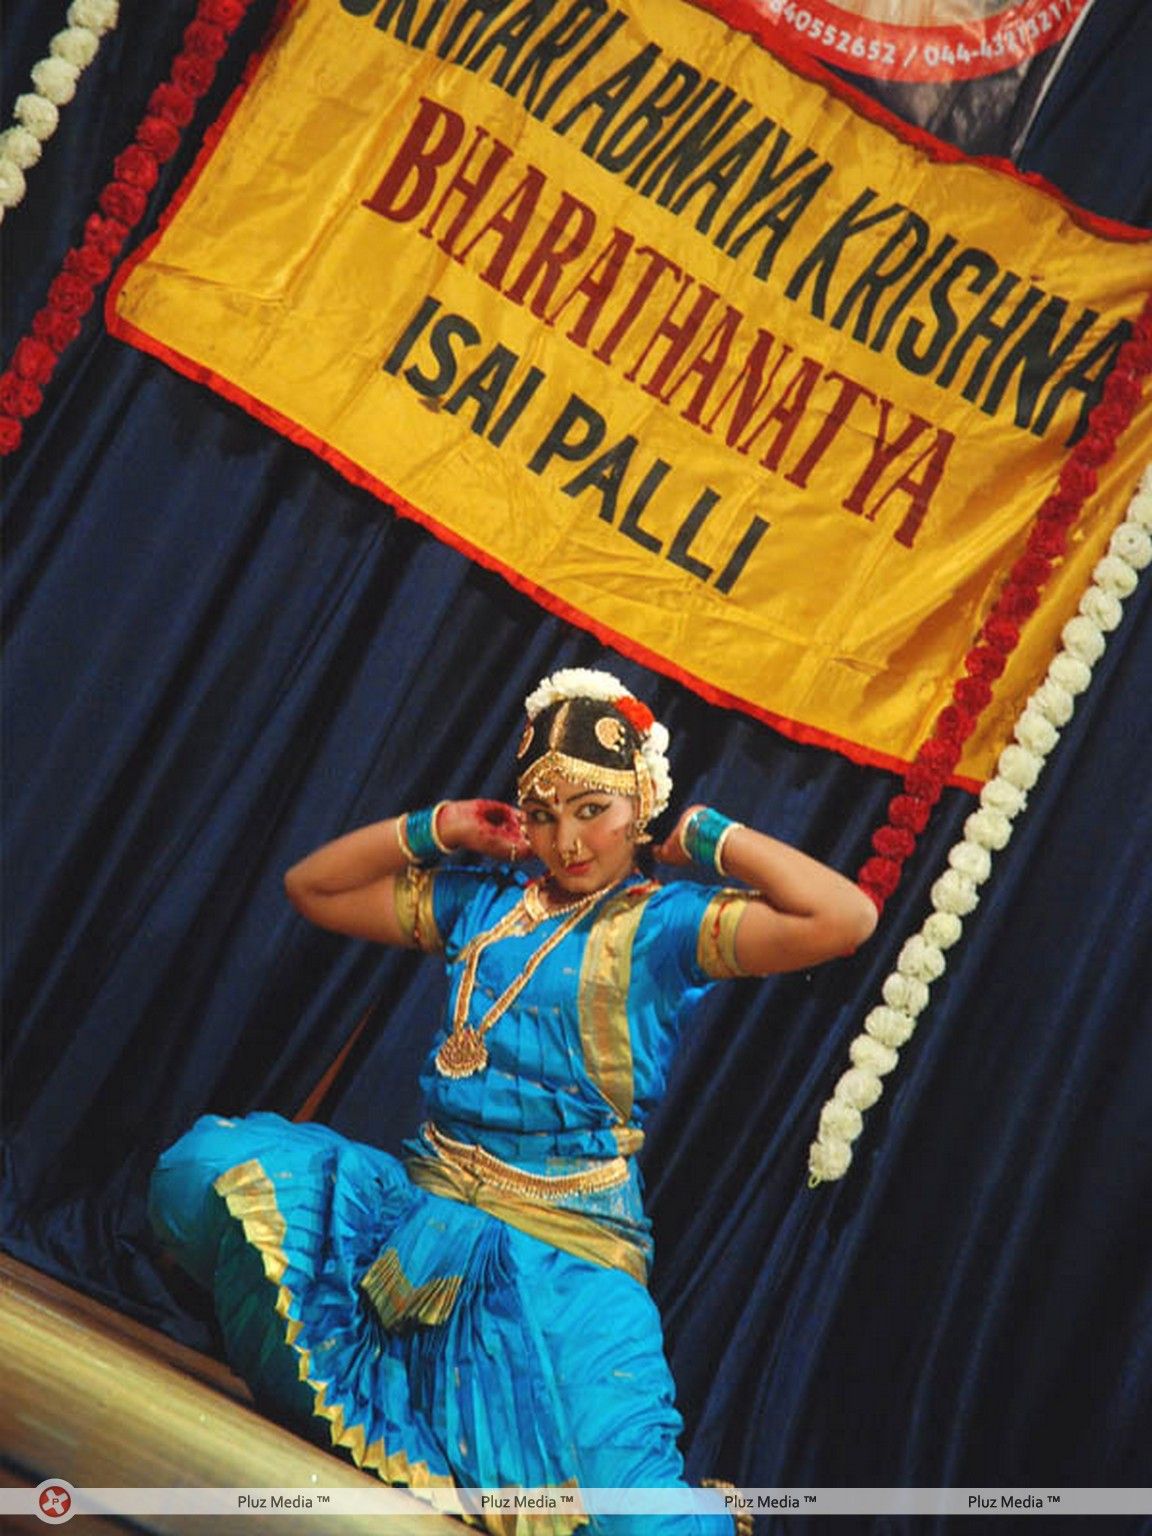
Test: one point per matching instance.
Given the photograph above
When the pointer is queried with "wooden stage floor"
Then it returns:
(101, 1401)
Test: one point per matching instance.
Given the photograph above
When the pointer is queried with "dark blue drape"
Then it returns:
(220, 654)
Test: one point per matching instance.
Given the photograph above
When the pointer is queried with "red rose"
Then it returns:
(909, 811)
(879, 877)
(893, 842)
(206, 39)
(1111, 417)
(70, 293)
(122, 202)
(107, 235)
(1060, 509)
(972, 694)
(1031, 569)
(34, 359)
(19, 397)
(222, 13)
(171, 102)
(637, 714)
(55, 327)
(983, 662)
(137, 166)
(1000, 634)
(1122, 386)
(1049, 540)
(88, 262)
(954, 724)
(1077, 478)
(940, 753)
(1096, 446)
(924, 782)
(159, 136)
(192, 73)
(1017, 601)
(11, 431)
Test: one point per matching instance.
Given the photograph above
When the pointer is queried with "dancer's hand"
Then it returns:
(487, 827)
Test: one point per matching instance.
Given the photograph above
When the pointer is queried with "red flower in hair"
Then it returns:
(11, 431)
(1059, 508)
(1122, 386)
(18, 397)
(172, 102)
(636, 713)
(55, 327)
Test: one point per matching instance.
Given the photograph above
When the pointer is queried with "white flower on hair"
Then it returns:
(1069, 672)
(1115, 576)
(942, 929)
(56, 79)
(1035, 733)
(999, 794)
(871, 1055)
(1132, 544)
(988, 828)
(920, 959)
(591, 683)
(906, 993)
(76, 45)
(1054, 701)
(21, 146)
(1020, 766)
(858, 1087)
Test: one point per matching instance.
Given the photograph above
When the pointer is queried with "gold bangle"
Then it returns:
(402, 839)
(436, 838)
(718, 855)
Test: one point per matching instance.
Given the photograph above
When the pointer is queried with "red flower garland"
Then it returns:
(122, 204)
(908, 812)
(636, 712)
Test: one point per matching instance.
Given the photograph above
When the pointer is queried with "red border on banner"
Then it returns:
(738, 13)
(933, 52)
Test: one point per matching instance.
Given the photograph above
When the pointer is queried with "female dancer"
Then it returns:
(476, 1314)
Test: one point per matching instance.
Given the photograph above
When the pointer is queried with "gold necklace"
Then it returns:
(464, 1053)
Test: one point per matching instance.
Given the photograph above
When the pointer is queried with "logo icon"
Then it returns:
(54, 1500)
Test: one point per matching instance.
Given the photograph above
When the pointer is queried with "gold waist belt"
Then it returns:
(464, 1172)
(479, 1164)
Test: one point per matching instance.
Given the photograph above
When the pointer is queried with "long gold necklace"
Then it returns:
(464, 1053)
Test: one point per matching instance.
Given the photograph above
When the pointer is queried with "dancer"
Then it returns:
(476, 1313)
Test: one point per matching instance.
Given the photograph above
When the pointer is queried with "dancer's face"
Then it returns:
(586, 838)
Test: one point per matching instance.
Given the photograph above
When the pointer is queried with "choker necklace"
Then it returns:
(464, 1053)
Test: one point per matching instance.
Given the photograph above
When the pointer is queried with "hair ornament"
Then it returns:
(653, 776)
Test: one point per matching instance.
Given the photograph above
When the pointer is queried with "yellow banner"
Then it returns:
(676, 339)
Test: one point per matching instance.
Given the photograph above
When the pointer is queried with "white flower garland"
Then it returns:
(54, 78)
(586, 683)
(956, 893)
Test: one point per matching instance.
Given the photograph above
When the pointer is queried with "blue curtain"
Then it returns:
(219, 654)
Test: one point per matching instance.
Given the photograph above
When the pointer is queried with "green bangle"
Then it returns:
(416, 833)
(703, 837)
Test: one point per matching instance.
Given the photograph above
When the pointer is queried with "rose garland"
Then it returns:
(875, 1052)
(121, 205)
(936, 760)
(54, 78)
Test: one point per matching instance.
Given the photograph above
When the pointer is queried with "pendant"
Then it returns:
(462, 1054)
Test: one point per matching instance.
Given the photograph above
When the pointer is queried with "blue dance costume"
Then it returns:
(476, 1313)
